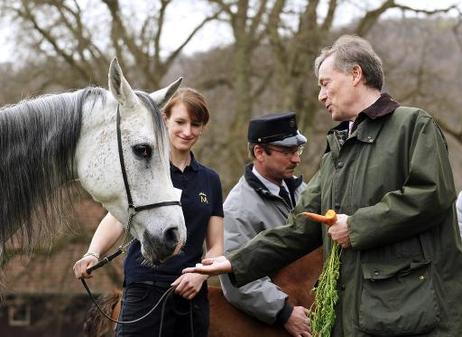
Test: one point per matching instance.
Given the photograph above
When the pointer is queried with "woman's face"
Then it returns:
(182, 131)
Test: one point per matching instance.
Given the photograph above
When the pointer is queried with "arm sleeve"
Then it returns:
(422, 202)
(261, 299)
(218, 196)
(275, 248)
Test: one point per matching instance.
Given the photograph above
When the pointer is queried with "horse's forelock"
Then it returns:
(38, 138)
(159, 125)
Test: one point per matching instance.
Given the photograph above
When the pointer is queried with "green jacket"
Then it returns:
(403, 274)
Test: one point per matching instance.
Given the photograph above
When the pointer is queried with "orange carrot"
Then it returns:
(329, 218)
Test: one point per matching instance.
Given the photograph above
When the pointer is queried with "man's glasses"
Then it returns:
(288, 151)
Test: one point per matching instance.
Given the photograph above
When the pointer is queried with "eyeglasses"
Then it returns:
(288, 151)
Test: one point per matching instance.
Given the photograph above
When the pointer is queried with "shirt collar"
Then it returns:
(272, 187)
(194, 164)
(383, 106)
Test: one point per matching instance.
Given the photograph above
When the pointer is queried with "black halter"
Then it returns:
(132, 210)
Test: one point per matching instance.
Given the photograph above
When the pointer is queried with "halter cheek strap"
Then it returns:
(131, 207)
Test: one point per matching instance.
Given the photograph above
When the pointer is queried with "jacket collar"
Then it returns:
(260, 188)
(384, 106)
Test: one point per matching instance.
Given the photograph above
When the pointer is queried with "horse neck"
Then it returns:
(37, 140)
(298, 278)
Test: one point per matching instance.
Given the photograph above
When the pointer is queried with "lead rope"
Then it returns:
(162, 312)
(122, 248)
(95, 302)
(166, 295)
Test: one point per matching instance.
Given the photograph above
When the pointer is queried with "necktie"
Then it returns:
(284, 195)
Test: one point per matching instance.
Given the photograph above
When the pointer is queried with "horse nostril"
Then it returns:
(159, 247)
(171, 236)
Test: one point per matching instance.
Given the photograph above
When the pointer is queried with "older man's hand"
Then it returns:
(339, 231)
(211, 266)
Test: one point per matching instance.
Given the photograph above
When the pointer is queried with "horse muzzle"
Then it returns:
(157, 248)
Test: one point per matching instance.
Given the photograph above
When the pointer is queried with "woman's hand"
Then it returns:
(81, 266)
(188, 285)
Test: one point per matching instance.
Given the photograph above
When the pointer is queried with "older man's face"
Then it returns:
(337, 91)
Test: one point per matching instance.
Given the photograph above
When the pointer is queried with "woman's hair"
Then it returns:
(351, 50)
(194, 102)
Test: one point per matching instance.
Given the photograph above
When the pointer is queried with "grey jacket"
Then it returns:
(249, 209)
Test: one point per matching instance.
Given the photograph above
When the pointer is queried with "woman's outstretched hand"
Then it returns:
(211, 266)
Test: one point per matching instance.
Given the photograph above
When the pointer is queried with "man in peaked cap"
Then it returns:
(263, 198)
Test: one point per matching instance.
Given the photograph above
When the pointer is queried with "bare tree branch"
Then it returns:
(256, 21)
(371, 17)
(328, 21)
(27, 14)
(178, 50)
(119, 32)
(274, 22)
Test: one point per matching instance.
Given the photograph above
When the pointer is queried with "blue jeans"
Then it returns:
(139, 298)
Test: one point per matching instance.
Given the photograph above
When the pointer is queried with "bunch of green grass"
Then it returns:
(322, 313)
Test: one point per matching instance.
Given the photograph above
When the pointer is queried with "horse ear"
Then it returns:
(119, 86)
(162, 96)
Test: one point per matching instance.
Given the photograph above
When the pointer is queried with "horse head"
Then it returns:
(157, 220)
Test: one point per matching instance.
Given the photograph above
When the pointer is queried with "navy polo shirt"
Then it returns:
(201, 198)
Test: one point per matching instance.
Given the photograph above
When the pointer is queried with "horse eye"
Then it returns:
(142, 151)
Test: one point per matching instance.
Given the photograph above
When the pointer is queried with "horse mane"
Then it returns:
(161, 135)
(38, 139)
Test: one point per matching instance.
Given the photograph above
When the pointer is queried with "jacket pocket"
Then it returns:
(398, 299)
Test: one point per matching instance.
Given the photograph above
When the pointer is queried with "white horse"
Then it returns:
(51, 140)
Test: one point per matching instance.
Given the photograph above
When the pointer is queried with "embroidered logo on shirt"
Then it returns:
(203, 198)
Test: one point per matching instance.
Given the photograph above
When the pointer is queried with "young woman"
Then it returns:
(186, 313)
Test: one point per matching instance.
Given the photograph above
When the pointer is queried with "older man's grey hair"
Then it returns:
(351, 50)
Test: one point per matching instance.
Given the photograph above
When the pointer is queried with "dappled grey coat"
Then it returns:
(403, 274)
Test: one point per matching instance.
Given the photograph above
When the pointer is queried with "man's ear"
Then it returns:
(258, 151)
(357, 74)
